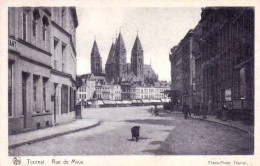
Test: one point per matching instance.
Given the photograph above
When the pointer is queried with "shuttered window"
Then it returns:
(10, 88)
(72, 99)
(64, 99)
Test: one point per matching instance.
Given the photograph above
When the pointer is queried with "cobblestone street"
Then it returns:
(167, 134)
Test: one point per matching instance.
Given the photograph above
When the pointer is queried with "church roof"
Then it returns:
(120, 42)
(95, 50)
(131, 77)
(137, 45)
(110, 58)
(148, 70)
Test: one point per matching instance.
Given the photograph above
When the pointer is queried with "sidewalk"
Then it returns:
(51, 132)
(235, 124)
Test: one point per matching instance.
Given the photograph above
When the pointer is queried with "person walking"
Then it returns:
(224, 112)
(156, 110)
(185, 111)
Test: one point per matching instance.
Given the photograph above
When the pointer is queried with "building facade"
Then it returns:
(43, 39)
(183, 68)
(227, 51)
(86, 91)
(138, 92)
(224, 60)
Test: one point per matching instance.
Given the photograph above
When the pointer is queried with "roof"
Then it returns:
(110, 58)
(120, 42)
(131, 77)
(148, 70)
(137, 45)
(95, 50)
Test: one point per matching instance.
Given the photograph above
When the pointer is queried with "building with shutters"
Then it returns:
(41, 67)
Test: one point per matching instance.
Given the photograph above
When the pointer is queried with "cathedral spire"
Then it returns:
(96, 60)
(110, 58)
(137, 44)
(137, 59)
(120, 42)
(95, 51)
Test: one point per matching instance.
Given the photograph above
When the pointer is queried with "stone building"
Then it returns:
(96, 60)
(137, 60)
(86, 90)
(119, 71)
(183, 68)
(126, 91)
(142, 92)
(227, 58)
(41, 67)
(224, 60)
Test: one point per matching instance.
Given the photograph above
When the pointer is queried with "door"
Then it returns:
(55, 105)
(24, 100)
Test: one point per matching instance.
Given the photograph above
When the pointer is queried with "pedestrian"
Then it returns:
(156, 110)
(185, 111)
(204, 111)
(189, 110)
(152, 111)
(224, 112)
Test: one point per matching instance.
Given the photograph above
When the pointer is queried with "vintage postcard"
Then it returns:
(134, 83)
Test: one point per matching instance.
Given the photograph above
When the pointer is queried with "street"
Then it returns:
(166, 134)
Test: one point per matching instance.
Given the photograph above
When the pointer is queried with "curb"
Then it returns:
(53, 136)
(243, 130)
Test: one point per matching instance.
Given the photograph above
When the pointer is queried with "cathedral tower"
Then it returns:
(120, 73)
(96, 60)
(110, 65)
(137, 60)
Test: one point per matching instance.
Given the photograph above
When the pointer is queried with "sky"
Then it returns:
(159, 29)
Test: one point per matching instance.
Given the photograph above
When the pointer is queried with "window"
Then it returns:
(63, 56)
(35, 81)
(45, 23)
(36, 16)
(43, 33)
(64, 99)
(45, 80)
(24, 93)
(242, 82)
(56, 41)
(10, 88)
(63, 18)
(24, 26)
(34, 28)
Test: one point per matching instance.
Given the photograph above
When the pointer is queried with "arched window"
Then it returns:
(36, 16)
(45, 23)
